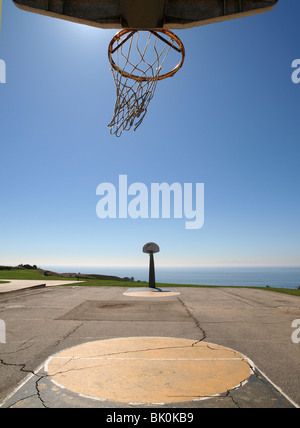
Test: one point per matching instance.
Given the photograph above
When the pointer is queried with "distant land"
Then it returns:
(78, 276)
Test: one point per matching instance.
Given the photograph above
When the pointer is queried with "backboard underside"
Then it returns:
(146, 14)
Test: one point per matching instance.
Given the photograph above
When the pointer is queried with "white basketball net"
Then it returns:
(139, 59)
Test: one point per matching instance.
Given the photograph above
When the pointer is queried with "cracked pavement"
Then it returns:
(41, 323)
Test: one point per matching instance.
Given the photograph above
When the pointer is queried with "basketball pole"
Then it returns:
(151, 272)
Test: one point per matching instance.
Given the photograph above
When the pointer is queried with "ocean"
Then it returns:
(280, 277)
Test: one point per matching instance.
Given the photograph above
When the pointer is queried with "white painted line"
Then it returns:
(206, 398)
(21, 384)
(145, 404)
(147, 359)
(58, 384)
(279, 390)
(222, 393)
(92, 398)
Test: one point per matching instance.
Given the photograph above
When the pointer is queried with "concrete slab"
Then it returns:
(16, 285)
(119, 310)
(151, 292)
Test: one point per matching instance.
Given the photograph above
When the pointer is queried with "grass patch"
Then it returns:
(27, 274)
(109, 283)
(129, 284)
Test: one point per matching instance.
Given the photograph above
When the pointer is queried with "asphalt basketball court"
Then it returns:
(139, 348)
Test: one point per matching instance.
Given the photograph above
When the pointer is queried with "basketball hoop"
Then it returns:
(137, 59)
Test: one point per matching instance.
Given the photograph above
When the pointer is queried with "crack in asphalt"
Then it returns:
(68, 335)
(197, 323)
(204, 336)
(32, 372)
(40, 377)
(23, 369)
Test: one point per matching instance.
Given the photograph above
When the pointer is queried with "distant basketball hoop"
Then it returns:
(151, 248)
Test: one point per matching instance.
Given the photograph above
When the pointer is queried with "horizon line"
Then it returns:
(170, 266)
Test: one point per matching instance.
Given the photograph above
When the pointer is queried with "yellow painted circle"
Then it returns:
(148, 370)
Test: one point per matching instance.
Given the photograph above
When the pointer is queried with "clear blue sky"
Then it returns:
(228, 119)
